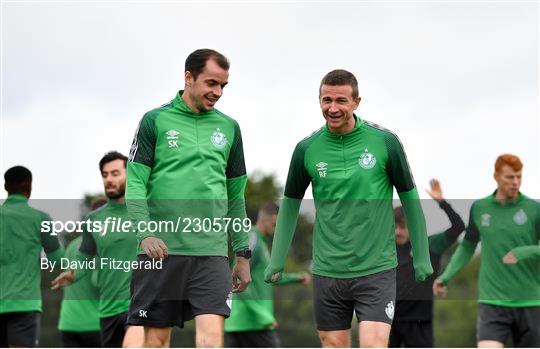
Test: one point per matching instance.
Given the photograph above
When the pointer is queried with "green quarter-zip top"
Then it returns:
(21, 241)
(352, 177)
(502, 228)
(188, 168)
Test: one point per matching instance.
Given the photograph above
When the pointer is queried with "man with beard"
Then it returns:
(21, 242)
(113, 284)
(508, 225)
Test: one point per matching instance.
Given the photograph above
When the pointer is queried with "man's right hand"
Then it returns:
(64, 279)
(154, 247)
(439, 288)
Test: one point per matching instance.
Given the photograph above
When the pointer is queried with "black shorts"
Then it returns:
(112, 330)
(185, 287)
(371, 297)
(19, 329)
(81, 339)
(252, 339)
(496, 323)
(411, 334)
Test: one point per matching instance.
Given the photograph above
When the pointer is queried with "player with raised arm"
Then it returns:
(413, 319)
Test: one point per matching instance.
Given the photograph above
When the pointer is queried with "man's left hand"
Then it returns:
(241, 275)
(510, 258)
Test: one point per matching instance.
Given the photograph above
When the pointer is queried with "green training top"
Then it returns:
(21, 240)
(514, 226)
(113, 283)
(253, 309)
(190, 166)
(79, 309)
(352, 177)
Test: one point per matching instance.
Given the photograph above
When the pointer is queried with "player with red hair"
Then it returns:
(508, 224)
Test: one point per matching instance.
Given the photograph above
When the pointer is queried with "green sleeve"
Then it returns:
(83, 272)
(297, 182)
(416, 223)
(285, 227)
(438, 243)
(236, 185)
(459, 259)
(237, 211)
(526, 252)
(50, 244)
(140, 164)
(290, 278)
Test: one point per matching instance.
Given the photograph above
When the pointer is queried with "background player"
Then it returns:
(413, 319)
(352, 166)
(187, 161)
(252, 323)
(114, 284)
(21, 241)
(508, 224)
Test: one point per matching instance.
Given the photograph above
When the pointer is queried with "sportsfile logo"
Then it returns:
(322, 168)
(172, 136)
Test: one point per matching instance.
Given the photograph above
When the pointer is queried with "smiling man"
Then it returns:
(508, 225)
(353, 166)
(186, 165)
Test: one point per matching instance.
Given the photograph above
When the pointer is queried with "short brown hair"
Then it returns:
(508, 159)
(399, 216)
(196, 61)
(340, 77)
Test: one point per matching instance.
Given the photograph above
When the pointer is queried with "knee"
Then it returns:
(155, 342)
(377, 341)
(210, 339)
(331, 341)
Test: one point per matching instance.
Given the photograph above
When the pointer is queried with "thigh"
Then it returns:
(527, 333)
(332, 306)
(23, 329)
(494, 323)
(113, 329)
(374, 297)
(373, 334)
(158, 297)
(209, 287)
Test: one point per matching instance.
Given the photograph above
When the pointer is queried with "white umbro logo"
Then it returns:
(142, 313)
(322, 168)
(172, 136)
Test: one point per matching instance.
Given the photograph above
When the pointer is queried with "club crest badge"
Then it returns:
(218, 138)
(367, 160)
(389, 310)
(486, 217)
(520, 217)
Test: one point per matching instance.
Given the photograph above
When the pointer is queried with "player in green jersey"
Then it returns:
(186, 165)
(106, 245)
(21, 242)
(353, 166)
(252, 322)
(508, 225)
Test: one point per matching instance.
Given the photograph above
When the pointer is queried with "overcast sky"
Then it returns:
(458, 82)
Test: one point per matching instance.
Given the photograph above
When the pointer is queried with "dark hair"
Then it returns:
(270, 208)
(111, 156)
(196, 61)
(18, 179)
(398, 215)
(340, 77)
